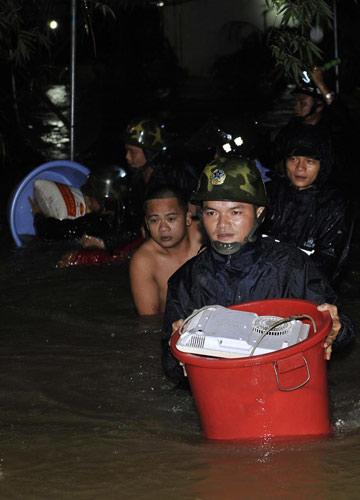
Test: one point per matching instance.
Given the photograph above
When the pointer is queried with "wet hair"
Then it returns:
(167, 191)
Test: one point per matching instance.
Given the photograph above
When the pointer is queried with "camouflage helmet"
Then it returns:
(231, 178)
(106, 183)
(146, 134)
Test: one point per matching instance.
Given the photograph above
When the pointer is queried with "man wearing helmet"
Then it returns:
(319, 111)
(144, 140)
(152, 163)
(310, 99)
(239, 265)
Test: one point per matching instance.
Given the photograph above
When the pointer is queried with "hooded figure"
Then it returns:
(306, 211)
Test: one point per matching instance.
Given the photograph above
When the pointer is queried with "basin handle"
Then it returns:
(298, 386)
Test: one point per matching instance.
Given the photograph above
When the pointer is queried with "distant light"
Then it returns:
(238, 141)
(53, 24)
(160, 4)
(227, 147)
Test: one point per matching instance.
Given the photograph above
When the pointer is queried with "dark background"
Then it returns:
(134, 71)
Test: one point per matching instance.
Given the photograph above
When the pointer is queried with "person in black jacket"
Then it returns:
(306, 211)
(319, 111)
(153, 163)
(238, 265)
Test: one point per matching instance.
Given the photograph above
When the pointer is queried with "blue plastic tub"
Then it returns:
(19, 211)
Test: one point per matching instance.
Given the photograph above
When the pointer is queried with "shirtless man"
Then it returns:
(174, 238)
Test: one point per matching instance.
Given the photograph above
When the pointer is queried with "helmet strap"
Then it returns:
(227, 248)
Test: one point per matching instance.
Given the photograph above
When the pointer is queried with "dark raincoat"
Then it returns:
(335, 125)
(262, 270)
(316, 219)
(169, 169)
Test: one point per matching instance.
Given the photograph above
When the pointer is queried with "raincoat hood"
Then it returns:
(311, 145)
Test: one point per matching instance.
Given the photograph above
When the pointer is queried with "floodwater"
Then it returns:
(86, 413)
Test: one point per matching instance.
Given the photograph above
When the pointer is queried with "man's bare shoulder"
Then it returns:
(145, 253)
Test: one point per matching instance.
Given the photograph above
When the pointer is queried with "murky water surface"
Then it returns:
(86, 412)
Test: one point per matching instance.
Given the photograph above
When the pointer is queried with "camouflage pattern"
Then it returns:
(146, 134)
(231, 179)
(106, 183)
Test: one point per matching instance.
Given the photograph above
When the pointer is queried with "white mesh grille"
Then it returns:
(196, 341)
(262, 323)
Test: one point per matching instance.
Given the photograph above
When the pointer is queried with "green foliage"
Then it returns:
(290, 43)
(23, 28)
(24, 36)
(19, 37)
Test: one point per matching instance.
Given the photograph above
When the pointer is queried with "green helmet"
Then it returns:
(106, 183)
(233, 178)
(146, 134)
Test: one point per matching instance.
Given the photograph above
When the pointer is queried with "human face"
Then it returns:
(303, 104)
(229, 221)
(302, 171)
(135, 156)
(166, 222)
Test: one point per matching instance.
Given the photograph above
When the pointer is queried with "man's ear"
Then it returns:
(259, 211)
(188, 218)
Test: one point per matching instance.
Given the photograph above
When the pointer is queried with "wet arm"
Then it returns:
(144, 288)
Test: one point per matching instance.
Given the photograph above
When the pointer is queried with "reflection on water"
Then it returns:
(49, 123)
(58, 95)
(47, 131)
(55, 135)
(86, 412)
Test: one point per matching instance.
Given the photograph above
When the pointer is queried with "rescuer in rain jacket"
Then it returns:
(153, 164)
(305, 210)
(238, 265)
(321, 112)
